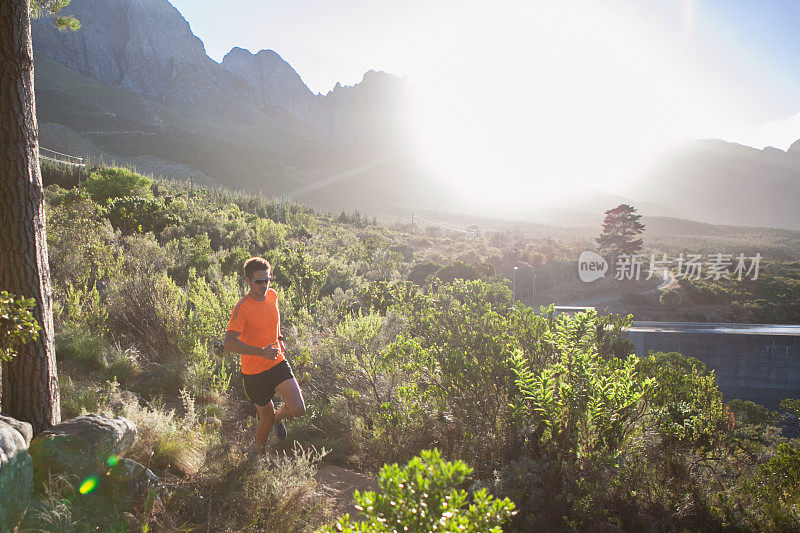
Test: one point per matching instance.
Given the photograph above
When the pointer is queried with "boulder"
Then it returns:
(16, 472)
(24, 428)
(81, 446)
(136, 482)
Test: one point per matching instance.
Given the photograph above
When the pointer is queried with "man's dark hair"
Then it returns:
(256, 263)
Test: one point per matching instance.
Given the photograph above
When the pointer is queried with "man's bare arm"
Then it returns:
(233, 344)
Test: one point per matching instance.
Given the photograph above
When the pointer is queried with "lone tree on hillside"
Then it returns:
(620, 229)
(30, 382)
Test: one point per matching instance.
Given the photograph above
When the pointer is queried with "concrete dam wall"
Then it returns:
(759, 363)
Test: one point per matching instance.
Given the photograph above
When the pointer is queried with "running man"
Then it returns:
(254, 331)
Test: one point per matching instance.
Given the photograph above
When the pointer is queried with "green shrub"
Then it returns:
(425, 496)
(292, 268)
(134, 214)
(208, 309)
(191, 253)
(670, 298)
(267, 234)
(701, 291)
(17, 324)
(81, 243)
(59, 174)
(149, 309)
(381, 295)
(90, 352)
(115, 182)
(792, 405)
(77, 398)
(83, 310)
(460, 270)
(374, 392)
(233, 261)
(583, 407)
(579, 413)
(686, 404)
(81, 346)
(207, 378)
(360, 349)
(465, 344)
(776, 491)
(749, 413)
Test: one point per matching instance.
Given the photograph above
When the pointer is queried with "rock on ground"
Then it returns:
(80, 446)
(24, 428)
(138, 483)
(16, 471)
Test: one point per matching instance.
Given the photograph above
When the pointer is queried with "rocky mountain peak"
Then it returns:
(143, 45)
(772, 150)
(272, 77)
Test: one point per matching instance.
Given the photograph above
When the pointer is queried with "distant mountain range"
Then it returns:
(727, 183)
(134, 85)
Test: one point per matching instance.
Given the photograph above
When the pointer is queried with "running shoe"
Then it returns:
(280, 430)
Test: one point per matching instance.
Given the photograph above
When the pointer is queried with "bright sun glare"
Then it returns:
(523, 102)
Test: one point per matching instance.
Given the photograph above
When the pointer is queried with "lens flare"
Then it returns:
(112, 460)
(88, 485)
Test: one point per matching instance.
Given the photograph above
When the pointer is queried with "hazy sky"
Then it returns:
(588, 82)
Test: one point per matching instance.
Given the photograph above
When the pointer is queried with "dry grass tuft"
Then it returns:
(233, 493)
(165, 440)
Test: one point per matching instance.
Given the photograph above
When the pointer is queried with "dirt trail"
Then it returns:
(339, 484)
(335, 482)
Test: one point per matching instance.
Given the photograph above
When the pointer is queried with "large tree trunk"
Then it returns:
(30, 383)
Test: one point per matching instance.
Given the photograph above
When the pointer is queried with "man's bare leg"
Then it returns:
(293, 404)
(266, 417)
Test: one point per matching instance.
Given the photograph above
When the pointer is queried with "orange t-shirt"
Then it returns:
(258, 324)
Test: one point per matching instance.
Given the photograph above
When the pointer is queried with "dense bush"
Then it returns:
(17, 325)
(580, 413)
(114, 182)
(82, 246)
(670, 298)
(425, 496)
(148, 310)
(466, 342)
(686, 405)
(60, 174)
(134, 214)
(90, 352)
(771, 298)
(774, 490)
(467, 271)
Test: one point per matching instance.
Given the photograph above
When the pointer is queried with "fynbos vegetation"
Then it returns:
(403, 343)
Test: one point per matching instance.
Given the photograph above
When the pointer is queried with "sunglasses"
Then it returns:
(262, 280)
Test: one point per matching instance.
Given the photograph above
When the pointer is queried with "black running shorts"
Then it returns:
(260, 388)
